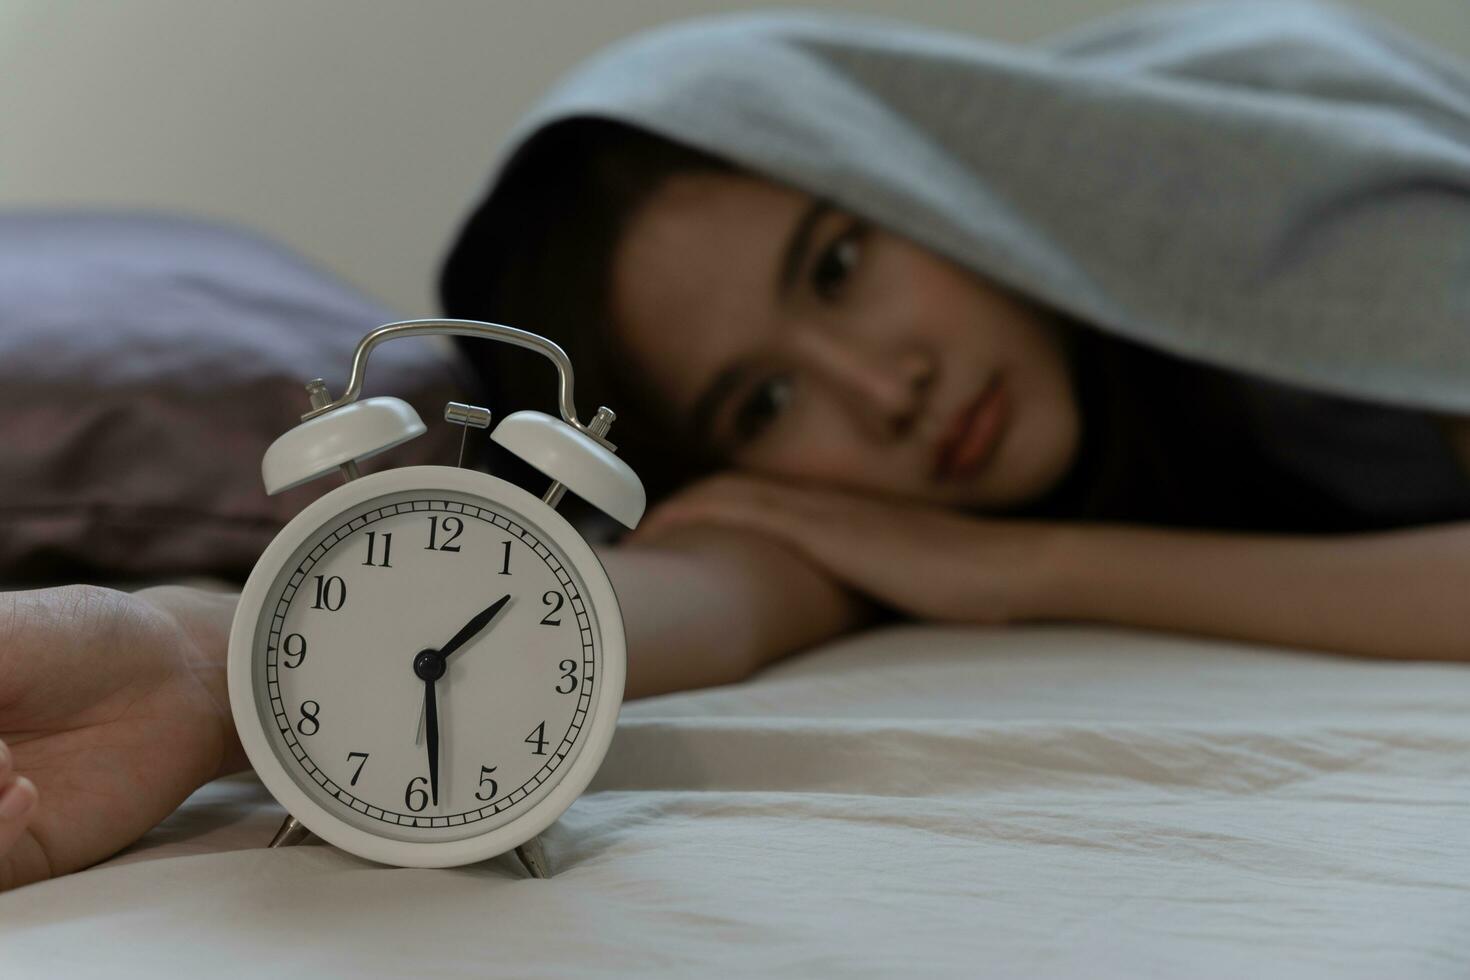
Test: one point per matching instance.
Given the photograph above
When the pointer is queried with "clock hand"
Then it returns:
(459, 639)
(474, 626)
(467, 633)
(432, 706)
(422, 669)
(428, 666)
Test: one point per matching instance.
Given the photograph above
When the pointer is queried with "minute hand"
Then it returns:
(473, 627)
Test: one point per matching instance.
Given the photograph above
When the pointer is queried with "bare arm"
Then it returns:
(1397, 594)
(706, 605)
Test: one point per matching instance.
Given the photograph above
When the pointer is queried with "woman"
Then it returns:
(1128, 329)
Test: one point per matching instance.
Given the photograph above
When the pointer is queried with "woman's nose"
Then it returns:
(888, 393)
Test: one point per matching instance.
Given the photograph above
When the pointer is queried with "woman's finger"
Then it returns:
(18, 798)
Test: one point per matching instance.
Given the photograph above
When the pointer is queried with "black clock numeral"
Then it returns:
(546, 600)
(330, 593)
(373, 548)
(363, 757)
(421, 794)
(485, 772)
(538, 739)
(299, 652)
(569, 673)
(505, 564)
(309, 712)
(453, 527)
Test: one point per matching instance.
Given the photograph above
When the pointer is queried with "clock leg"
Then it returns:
(292, 831)
(534, 858)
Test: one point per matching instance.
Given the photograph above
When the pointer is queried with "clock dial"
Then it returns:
(426, 664)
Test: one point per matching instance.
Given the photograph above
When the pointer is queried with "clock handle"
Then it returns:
(576, 455)
(462, 328)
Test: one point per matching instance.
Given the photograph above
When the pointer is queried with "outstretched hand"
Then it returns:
(932, 563)
(112, 712)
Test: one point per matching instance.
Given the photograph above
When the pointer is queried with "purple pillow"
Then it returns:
(146, 362)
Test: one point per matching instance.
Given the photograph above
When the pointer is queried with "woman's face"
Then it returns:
(799, 342)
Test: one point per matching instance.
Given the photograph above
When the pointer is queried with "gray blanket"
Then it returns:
(1277, 188)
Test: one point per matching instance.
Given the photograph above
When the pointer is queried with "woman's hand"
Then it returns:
(112, 711)
(929, 562)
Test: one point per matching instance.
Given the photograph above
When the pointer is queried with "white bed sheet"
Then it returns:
(1045, 801)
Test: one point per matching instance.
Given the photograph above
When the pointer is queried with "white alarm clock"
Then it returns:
(427, 663)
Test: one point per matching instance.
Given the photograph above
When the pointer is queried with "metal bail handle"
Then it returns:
(465, 328)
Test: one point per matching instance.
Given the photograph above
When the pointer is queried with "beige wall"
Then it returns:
(355, 130)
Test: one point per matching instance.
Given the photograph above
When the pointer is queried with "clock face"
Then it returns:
(426, 664)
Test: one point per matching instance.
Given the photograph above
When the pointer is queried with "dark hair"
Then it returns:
(1165, 443)
(537, 255)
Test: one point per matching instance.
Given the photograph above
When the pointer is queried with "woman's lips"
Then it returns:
(974, 434)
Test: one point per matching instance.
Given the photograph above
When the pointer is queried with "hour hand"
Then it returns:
(468, 632)
(474, 626)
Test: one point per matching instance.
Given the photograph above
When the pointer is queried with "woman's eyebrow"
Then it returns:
(797, 245)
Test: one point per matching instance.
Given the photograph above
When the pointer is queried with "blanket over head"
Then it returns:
(1277, 188)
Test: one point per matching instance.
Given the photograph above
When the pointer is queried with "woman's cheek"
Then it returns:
(805, 444)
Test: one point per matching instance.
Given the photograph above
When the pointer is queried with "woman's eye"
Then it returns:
(762, 407)
(837, 262)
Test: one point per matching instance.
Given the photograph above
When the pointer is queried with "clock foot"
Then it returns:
(534, 858)
(292, 831)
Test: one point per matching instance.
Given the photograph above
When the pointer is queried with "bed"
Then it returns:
(1041, 801)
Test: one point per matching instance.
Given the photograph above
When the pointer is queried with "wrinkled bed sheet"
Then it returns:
(1045, 801)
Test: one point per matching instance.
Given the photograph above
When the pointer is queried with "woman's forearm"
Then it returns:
(1399, 594)
(708, 605)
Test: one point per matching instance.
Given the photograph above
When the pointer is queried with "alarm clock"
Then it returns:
(427, 663)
